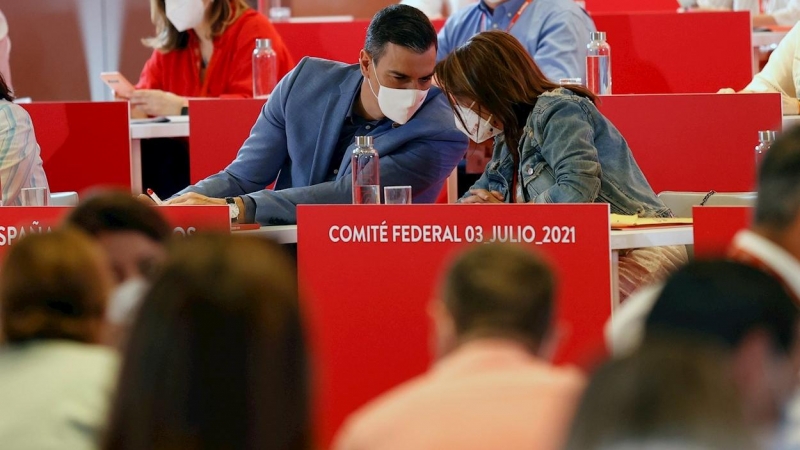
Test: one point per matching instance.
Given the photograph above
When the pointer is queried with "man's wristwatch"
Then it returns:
(234, 208)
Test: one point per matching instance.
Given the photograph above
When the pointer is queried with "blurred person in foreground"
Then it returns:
(551, 144)
(493, 385)
(673, 394)
(216, 356)
(772, 242)
(21, 164)
(753, 316)
(55, 380)
(133, 236)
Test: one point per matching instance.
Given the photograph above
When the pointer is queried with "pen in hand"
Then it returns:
(154, 197)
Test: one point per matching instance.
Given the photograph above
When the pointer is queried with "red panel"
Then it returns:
(366, 301)
(337, 41)
(715, 226)
(678, 53)
(210, 149)
(84, 144)
(625, 6)
(695, 142)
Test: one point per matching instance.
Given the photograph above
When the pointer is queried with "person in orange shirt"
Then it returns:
(493, 385)
(202, 48)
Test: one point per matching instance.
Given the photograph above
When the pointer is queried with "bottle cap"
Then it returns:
(364, 141)
(263, 43)
(597, 35)
(766, 136)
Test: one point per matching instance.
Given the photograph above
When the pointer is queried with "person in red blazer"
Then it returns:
(202, 48)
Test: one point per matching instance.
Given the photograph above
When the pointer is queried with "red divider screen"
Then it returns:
(678, 53)
(337, 41)
(84, 144)
(626, 6)
(715, 227)
(366, 301)
(217, 129)
(695, 142)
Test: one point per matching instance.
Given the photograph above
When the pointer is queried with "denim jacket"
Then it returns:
(570, 153)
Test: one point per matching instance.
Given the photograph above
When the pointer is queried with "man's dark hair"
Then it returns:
(778, 200)
(724, 301)
(5, 91)
(400, 25)
(500, 290)
(111, 212)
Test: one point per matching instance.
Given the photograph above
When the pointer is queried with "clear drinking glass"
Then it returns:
(35, 196)
(397, 195)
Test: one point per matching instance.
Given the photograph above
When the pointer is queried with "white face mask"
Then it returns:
(398, 104)
(125, 300)
(477, 128)
(185, 14)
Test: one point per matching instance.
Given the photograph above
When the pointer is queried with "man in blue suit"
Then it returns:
(303, 138)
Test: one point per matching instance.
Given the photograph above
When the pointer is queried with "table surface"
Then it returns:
(790, 121)
(178, 126)
(282, 234)
(619, 239)
(764, 38)
(651, 237)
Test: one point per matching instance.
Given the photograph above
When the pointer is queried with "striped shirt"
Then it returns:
(20, 159)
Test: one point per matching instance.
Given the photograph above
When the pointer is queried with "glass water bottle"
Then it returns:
(598, 64)
(265, 69)
(366, 173)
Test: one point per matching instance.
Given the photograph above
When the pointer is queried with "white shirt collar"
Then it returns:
(773, 255)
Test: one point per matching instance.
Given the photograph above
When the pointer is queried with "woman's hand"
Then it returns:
(484, 196)
(154, 102)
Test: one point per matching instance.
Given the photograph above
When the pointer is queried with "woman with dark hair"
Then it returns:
(20, 160)
(216, 356)
(552, 145)
(202, 48)
(55, 380)
(672, 394)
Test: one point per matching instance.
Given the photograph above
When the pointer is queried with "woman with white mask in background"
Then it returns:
(202, 48)
(552, 145)
(133, 237)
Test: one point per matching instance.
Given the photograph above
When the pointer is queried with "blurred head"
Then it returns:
(54, 286)
(397, 61)
(671, 394)
(495, 290)
(173, 19)
(776, 212)
(216, 356)
(505, 103)
(132, 233)
(5, 91)
(744, 310)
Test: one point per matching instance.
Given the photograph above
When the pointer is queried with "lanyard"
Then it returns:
(513, 19)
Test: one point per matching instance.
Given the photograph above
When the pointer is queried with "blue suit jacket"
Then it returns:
(294, 139)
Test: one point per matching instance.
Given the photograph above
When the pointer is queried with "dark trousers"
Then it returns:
(165, 165)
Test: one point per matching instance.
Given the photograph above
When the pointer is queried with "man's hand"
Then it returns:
(154, 102)
(193, 198)
(483, 196)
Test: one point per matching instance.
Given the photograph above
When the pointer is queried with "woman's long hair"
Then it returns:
(495, 71)
(5, 91)
(220, 14)
(216, 357)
